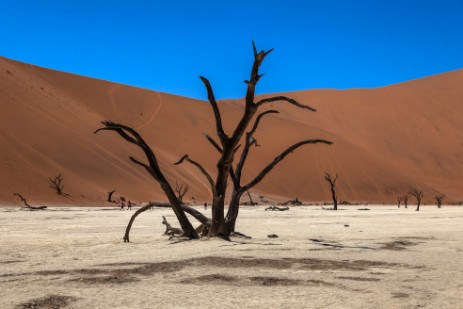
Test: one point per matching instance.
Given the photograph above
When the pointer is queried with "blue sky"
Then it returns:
(166, 45)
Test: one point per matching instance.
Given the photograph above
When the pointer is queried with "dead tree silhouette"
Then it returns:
(227, 146)
(439, 198)
(181, 190)
(332, 183)
(58, 186)
(418, 194)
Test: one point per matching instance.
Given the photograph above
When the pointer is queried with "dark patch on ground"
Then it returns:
(398, 245)
(11, 262)
(273, 281)
(400, 295)
(130, 274)
(47, 302)
(336, 245)
(212, 278)
(359, 279)
(112, 279)
(51, 272)
(252, 281)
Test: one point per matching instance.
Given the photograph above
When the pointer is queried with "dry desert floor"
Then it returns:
(383, 257)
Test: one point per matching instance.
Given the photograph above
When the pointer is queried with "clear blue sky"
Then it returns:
(166, 45)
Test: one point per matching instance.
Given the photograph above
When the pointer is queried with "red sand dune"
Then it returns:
(386, 140)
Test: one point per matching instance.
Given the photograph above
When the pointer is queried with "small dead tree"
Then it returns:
(26, 205)
(295, 202)
(332, 183)
(399, 200)
(439, 198)
(405, 199)
(418, 195)
(181, 190)
(58, 186)
(251, 201)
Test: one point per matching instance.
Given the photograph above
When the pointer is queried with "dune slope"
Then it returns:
(386, 140)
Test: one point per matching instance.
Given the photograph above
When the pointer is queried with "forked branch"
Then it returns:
(279, 158)
(218, 118)
(201, 169)
(285, 99)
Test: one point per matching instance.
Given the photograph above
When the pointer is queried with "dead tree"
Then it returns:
(332, 183)
(110, 195)
(439, 198)
(418, 194)
(399, 200)
(250, 199)
(26, 205)
(181, 191)
(58, 186)
(295, 202)
(405, 199)
(227, 145)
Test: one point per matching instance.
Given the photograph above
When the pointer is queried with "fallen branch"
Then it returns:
(171, 231)
(275, 208)
(26, 205)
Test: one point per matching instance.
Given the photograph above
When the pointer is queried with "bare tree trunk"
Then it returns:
(332, 183)
(418, 194)
(233, 210)
(250, 198)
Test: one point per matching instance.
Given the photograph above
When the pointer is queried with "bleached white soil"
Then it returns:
(379, 258)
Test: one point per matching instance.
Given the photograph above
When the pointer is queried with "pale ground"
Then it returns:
(385, 258)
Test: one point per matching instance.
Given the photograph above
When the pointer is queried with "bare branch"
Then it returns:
(201, 169)
(27, 205)
(213, 142)
(331, 180)
(120, 132)
(218, 119)
(278, 159)
(249, 142)
(258, 118)
(286, 99)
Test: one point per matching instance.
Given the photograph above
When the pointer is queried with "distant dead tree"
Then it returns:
(418, 194)
(250, 199)
(26, 205)
(295, 202)
(57, 185)
(399, 200)
(227, 146)
(181, 190)
(110, 196)
(405, 199)
(332, 182)
(439, 198)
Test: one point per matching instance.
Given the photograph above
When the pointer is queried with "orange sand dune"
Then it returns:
(386, 140)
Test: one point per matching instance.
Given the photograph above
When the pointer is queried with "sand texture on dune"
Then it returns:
(386, 140)
(381, 258)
